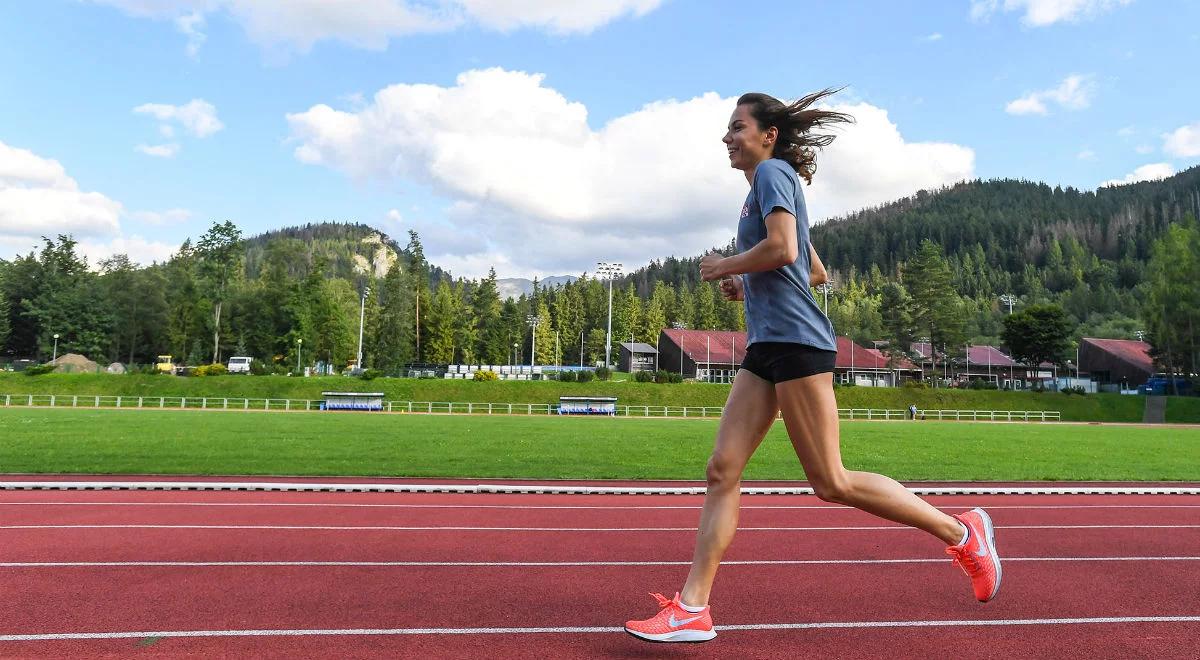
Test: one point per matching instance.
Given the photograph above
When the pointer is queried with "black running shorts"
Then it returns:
(780, 361)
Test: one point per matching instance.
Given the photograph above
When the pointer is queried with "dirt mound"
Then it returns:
(75, 363)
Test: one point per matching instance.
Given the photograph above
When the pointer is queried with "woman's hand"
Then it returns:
(732, 288)
(710, 267)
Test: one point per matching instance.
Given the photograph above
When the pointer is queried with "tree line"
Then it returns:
(1118, 263)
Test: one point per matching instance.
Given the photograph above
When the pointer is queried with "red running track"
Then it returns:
(1044, 540)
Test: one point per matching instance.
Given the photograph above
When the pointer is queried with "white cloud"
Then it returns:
(138, 249)
(371, 24)
(1144, 149)
(1073, 93)
(936, 36)
(191, 25)
(1040, 13)
(1127, 131)
(1183, 142)
(160, 218)
(525, 167)
(1149, 172)
(198, 117)
(168, 150)
(1086, 154)
(38, 198)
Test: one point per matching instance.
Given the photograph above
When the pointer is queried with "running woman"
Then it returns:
(789, 367)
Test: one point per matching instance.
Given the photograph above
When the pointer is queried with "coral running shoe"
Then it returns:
(977, 555)
(673, 623)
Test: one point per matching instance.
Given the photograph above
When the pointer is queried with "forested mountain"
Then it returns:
(933, 266)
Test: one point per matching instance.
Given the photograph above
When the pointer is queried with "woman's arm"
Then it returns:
(776, 250)
(816, 273)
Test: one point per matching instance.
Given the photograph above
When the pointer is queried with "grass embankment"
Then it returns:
(260, 443)
(1093, 407)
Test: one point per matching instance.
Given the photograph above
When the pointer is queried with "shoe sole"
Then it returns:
(990, 532)
(686, 636)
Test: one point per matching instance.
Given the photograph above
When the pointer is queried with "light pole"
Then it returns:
(361, 315)
(825, 287)
(299, 341)
(609, 270)
(1008, 299)
(55, 358)
(533, 320)
(556, 360)
(680, 326)
(581, 348)
(514, 354)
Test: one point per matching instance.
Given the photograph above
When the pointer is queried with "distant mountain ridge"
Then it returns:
(515, 287)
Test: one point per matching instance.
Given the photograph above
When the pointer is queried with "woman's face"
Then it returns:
(747, 144)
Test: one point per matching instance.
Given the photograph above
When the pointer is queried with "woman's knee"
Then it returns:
(836, 488)
(723, 471)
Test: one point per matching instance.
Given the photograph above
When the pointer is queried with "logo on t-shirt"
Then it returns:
(745, 210)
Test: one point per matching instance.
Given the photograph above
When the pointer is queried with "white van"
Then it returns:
(239, 365)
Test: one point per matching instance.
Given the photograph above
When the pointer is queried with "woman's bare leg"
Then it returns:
(810, 413)
(748, 416)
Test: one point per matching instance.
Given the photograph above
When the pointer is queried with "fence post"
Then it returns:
(204, 403)
(95, 406)
(74, 402)
(51, 400)
(287, 404)
(118, 402)
(139, 402)
(162, 401)
(182, 402)
(469, 407)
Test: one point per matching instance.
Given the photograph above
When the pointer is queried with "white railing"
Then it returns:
(474, 408)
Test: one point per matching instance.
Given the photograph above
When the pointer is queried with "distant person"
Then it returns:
(789, 367)
(912, 411)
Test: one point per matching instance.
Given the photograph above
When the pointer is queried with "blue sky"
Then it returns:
(541, 136)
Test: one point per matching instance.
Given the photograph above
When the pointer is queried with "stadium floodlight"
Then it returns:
(55, 358)
(1008, 299)
(533, 320)
(299, 341)
(611, 271)
(361, 314)
(825, 287)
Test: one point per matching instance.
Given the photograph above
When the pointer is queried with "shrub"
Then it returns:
(1078, 389)
(643, 376)
(603, 373)
(210, 370)
(586, 376)
(674, 378)
(259, 368)
(916, 385)
(485, 375)
(39, 369)
(567, 376)
(370, 374)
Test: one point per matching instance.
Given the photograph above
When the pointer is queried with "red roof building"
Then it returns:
(1117, 363)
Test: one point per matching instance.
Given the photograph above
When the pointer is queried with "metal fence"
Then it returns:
(473, 408)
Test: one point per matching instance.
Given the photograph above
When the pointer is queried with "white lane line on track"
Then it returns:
(566, 490)
(549, 564)
(48, 637)
(463, 528)
(947, 507)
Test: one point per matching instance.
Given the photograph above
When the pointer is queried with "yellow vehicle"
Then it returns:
(165, 364)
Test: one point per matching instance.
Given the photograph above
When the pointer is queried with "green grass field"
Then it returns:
(1095, 407)
(362, 444)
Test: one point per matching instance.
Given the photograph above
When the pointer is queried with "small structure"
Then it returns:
(711, 356)
(1116, 364)
(116, 368)
(636, 356)
(352, 401)
(587, 405)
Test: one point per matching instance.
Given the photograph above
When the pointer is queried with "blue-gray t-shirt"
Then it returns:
(779, 304)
